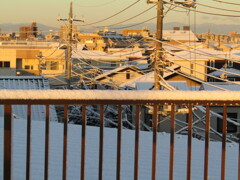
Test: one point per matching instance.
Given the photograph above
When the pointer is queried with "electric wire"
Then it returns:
(98, 5)
(199, 51)
(226, 2)
(218, 8)
(113, 14)
(195, 79)
(196, 62)
(203, 12)
(123, 27)
(109, 25)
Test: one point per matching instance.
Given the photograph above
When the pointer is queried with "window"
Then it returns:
(231, 79)
(212, 63)
(231, 128)
(28, 67)
(113, 65)
(128, 75)
(211, 80)
(230, 64)
(4, 64)
(192, 68)
(52, 65)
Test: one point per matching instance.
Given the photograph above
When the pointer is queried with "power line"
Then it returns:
(128, 18)
(226, 2)
(195, 79)
(200, 54)
(98, 5)
(213, 7)
(137, 23)
(113, 14)
(199, 51)
(203, 12)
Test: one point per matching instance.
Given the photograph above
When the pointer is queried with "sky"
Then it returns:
(46, 12)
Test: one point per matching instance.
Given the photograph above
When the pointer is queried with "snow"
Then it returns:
(110, 139)
(119, 95)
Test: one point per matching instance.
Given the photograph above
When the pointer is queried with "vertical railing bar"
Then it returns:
(171, 163)
(28, 153)
(83, 144)
(137, 128)
(224, 136)
(7, 169)
(119, 142)
(189, 151)
(154, 145)
(46, 143)
(239, 161)
(207, 138)
(65, 134)
(101, 141)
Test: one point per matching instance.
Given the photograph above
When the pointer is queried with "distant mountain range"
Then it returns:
(200, 28)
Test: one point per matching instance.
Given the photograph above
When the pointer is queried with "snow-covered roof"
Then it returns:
(27, 83)
(143, 85)
(116, 70)
(78, 53)
(180, 35)
(230, 70)
(141, 64)
(109, 162)
(23, 82)
(148, 78)
(179, 85)
(203, 54)
(192, 44)
(224, 85)
(231, 46)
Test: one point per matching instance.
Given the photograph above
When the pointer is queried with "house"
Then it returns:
(99, 59)
(173, 73)
(136, 32)
(27, 83)
(200, 62)
(92, 41)
(28, 58)
(118, 76)
(229, 74)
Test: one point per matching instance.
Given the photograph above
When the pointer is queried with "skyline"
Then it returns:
(47, 12)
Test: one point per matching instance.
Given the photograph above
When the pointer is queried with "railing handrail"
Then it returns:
(119, 97)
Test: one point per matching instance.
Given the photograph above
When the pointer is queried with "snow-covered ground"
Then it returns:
(110, 139)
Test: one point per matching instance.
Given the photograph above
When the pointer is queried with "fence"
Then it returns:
(119, 98)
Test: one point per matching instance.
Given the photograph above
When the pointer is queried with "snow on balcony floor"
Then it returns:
(110, 139)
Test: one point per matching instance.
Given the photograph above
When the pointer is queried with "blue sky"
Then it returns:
(46, 12)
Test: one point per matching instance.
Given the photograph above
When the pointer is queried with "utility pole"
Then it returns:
(159, 60)
(69, 45)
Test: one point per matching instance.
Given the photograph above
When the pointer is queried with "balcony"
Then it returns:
(137, 166)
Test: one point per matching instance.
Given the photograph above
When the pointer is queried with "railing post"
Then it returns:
(65, 132)
(28, 155)
(7, 142)
(119, 143)
(137, 124)
(46, 143)
(101, 141)
(171, 163)
(154, 145)
(224, 139)
(207, 137)
(189, 150)
(83, 144)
